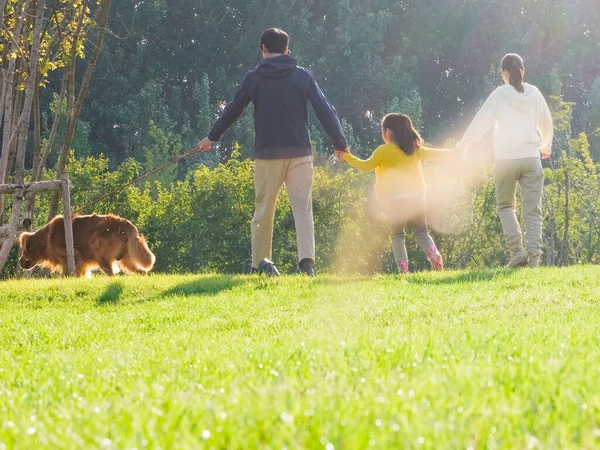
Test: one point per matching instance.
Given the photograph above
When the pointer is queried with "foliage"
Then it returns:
(436, 60)
(91, 178)
(164, 147)
(67, 25)
(592, 118)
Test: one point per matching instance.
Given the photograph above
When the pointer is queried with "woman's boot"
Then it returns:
(535, 258)
(518, 257)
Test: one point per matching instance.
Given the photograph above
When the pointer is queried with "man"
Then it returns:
(280, 91)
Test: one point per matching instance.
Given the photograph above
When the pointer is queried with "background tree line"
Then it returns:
(167, 67)
(171, 64)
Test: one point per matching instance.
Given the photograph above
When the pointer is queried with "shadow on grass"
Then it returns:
(203, 286)
(111, 294)
(464, 277)
(212, 285)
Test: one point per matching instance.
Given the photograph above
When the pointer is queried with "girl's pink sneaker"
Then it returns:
(435, 259)
(402, 266)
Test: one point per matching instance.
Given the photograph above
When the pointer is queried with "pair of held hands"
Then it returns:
(339, 154)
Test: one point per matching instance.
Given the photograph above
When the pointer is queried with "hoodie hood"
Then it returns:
(277, 67)
(521, 101)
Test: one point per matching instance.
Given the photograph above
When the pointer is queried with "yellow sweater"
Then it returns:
(395, 171)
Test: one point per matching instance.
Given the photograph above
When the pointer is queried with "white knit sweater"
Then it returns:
(522, 123)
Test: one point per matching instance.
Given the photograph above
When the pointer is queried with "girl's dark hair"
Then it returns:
(405, 135)
(513, 63)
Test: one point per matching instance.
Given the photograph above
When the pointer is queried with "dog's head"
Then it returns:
(126, 229)
(116, 226)
(32, 249)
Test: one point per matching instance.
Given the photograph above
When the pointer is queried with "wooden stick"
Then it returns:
(68, 220)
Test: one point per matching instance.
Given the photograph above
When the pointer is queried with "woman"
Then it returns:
(523, 130)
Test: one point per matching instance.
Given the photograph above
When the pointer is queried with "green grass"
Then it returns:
(498, 359)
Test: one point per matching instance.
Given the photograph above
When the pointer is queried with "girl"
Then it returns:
(400, 185)
(522, 131)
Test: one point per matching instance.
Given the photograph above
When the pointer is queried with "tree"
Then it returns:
(37, 42)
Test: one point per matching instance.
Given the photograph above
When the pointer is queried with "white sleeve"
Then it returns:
(483, 121)
(545, 126)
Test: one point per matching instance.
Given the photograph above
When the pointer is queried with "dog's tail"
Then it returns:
(137, 258)
(140, 253)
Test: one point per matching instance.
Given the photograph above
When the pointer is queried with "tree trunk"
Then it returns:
(564, 246)
(37, 126)
(550, 260)
(10, 78)
(23, 122)
(8, 121)
(47, 149)
(2, 6)
(40, 162)
(64, 153)
(74, 108)
(9, 82)
(3, 78)
(17, 109)
(37, 147)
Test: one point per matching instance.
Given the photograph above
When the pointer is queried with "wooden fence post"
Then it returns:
(11, 229)
(68, 221)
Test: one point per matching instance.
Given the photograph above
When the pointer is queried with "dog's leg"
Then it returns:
(80, 266)
(62, 263)
(106, 267)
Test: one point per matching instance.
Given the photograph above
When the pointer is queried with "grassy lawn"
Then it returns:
(498, 359)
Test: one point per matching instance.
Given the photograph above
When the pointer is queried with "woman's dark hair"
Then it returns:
(275, 39)
(513, 63)
(405, 135)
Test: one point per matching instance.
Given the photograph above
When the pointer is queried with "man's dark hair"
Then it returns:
(275, 39)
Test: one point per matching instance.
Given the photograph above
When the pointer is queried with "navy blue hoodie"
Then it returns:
(280, 91)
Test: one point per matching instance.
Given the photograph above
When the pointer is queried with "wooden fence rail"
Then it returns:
(37, 186)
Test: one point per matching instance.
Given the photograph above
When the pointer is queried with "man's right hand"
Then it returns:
(205, 144)
(339, 154)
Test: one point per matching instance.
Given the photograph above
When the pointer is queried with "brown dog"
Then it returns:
(99, 242)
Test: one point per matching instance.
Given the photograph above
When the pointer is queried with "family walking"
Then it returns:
(280, 91)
